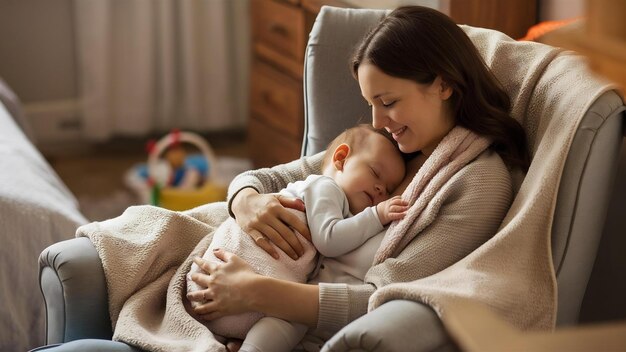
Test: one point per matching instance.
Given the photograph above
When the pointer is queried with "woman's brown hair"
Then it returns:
(419, 43)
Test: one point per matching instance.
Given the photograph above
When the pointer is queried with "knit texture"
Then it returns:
(469, 207)
(230, 237)
(457, 148)
(513, 272)
(145, 254)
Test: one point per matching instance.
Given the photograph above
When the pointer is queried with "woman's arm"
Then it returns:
(473, 207)
(264, 217)
(287, 300)
(233, 287)
(272, 180)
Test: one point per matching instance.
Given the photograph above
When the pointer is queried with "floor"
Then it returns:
(95, 173)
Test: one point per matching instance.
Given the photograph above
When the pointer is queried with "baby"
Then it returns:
(345, 206)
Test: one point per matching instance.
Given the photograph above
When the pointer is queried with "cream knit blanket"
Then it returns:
(513, 272)
(145, 254)
(230, 237)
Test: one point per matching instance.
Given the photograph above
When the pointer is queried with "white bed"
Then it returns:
(36, 210)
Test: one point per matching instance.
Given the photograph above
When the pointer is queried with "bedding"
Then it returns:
(12, 104)
(36, 210)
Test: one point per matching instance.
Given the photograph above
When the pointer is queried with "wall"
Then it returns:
(37, 59)
(37, 46)
(551, 10)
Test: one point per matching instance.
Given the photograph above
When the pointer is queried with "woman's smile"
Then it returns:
(398, 133)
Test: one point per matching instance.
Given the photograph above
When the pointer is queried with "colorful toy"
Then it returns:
(178, 181)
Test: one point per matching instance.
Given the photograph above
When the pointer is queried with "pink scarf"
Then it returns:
(456, 149)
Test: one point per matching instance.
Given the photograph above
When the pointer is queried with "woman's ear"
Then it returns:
(339, 156)
(445, 89)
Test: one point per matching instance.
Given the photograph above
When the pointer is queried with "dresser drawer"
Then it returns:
(279, 26)
(269, 147)
(277, 99)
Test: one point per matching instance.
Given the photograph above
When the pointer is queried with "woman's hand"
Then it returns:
(233, 287)
(265, 218)
(229, 286)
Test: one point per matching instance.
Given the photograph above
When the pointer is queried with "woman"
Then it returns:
(425, 82)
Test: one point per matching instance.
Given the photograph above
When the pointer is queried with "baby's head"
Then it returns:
(366, 164)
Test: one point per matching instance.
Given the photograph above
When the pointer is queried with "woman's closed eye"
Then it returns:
(385, 105)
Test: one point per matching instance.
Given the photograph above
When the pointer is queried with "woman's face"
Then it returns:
(417, 115)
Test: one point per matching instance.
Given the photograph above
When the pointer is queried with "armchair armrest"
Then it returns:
(74, 290)
(398, 325)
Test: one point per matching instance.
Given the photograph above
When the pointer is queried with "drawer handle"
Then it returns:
(278, 29)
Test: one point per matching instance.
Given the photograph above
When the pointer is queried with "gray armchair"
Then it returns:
(72, 279)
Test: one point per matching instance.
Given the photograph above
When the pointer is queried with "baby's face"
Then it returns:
(371, 173)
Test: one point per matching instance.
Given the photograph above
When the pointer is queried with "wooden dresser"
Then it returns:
(280, 31)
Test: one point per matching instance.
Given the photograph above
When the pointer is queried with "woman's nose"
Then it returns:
(378, 118)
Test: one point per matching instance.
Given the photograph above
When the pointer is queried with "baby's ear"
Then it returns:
(339, 156)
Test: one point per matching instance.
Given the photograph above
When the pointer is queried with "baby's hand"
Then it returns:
(392, 209)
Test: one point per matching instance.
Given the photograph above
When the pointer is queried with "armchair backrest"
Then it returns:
(332, 98)
(333, 102)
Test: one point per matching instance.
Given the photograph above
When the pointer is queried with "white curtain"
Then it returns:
(153, 65)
